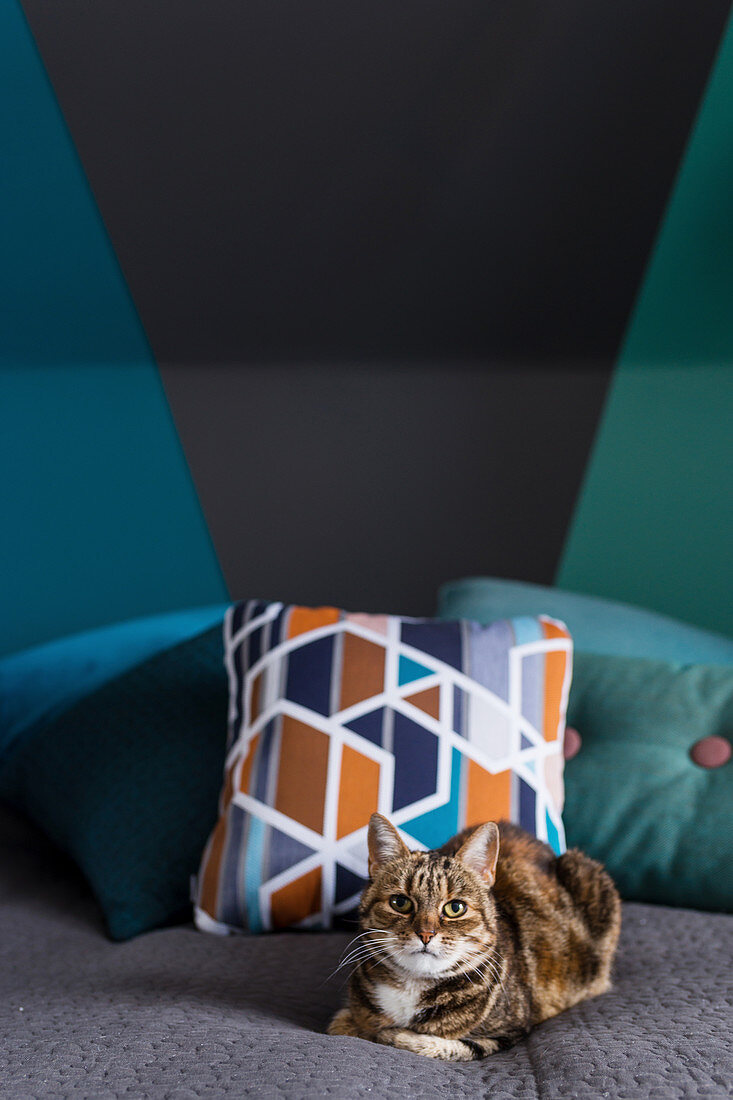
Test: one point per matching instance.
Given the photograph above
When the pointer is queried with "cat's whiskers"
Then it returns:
(482, 977)
(369, 932)
(465, 975)
(354, 964)
(361, 952)
(383, 956)
(483, 960)
(466, 963)
(497, 967)
(390, 956)
(494, 968)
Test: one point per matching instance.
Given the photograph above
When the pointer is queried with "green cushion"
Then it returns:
(635, 799)
(596, 625)
(126, 780)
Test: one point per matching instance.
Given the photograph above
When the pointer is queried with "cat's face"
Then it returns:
(424, 913)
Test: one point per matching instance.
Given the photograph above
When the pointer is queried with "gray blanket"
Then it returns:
(179, 1014)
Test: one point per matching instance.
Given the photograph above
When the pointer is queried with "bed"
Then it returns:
(356, 307)
(175, 1013)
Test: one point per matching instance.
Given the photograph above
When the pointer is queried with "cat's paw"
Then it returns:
(434, 1046)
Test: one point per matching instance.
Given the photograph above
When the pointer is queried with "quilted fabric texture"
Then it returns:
(126, 781)
(180, 1016)
(335, 715)
(636, 799)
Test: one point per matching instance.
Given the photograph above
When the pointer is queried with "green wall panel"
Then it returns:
(654, 520)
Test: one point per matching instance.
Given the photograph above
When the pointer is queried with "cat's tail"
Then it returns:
(595, 895)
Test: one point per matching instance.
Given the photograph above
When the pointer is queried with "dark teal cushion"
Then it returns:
(43, 680)
(634, 797)
(596, 625)
(126, 780)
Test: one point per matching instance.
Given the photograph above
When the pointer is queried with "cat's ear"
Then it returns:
(385, 843)
(481, 851)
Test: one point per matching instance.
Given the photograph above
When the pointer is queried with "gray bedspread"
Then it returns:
(179, 1014)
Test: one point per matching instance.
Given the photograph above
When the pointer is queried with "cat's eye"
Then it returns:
(454, 908)
(400, 903)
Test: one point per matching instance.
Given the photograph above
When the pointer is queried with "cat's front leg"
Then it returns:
(344, 1023)
(435, 1046)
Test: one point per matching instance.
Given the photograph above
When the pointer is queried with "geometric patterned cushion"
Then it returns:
(333, 715)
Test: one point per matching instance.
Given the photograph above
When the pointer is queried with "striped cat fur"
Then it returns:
(462, 950)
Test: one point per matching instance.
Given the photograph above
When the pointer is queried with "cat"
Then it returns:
(462, 950)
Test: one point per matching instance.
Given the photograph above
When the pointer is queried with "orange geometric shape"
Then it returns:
(362, 670)
(211, 866)
(555, 668)
(302, 773)
(304, 619)
(488, 797)
(246, 772)
(296, 900)
(358, 791)
(427, 701)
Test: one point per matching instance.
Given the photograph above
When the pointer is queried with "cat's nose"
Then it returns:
(426, 935)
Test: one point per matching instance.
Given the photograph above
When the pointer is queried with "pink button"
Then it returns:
(572, 743)
(711, 752)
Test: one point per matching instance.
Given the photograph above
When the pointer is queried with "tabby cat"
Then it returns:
(462, 952)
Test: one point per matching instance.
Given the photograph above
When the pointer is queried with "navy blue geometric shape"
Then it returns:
(527, 806)
(369, 726)
(309, 675)
(416, 761)
(347, 883)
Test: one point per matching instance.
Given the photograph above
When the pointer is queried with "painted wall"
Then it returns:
(654, 521)
(100, 518)
(323, 303)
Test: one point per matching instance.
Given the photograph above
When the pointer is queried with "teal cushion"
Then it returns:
(126, 778)
(596, 625)
(43, 680)
(634, 797)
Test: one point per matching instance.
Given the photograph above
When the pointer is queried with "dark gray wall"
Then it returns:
(310, 179)
(370, 486)
(460, 198)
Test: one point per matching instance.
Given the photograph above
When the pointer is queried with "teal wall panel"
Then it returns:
(654, 520)
(63, 298)
(100, 519)
(654, 524)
